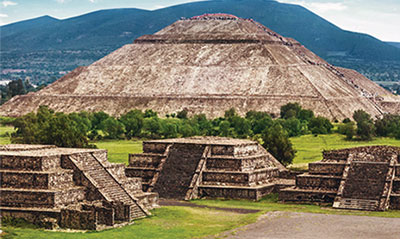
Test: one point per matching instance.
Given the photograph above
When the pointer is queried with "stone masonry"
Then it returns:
(69, 188)
(363, 178)
(190, 168)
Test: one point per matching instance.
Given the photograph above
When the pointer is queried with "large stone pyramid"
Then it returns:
(208, 64)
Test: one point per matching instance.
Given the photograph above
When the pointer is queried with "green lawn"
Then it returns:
(118, 150)
(3, 130)
(309, 148)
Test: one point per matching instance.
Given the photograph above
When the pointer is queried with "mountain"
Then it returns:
(116, 27)
(396, 44)
(208, 64)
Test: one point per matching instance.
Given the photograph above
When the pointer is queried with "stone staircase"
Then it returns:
(362, 178)
(206, 167)
(363, 186)
(106, 183)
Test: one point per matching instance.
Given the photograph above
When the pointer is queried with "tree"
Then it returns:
(224, 127)
(97, 119)
(133, 122)
(365, 125)
(348, 129)
(47, 127)
(320, 125)
(113, 128)
(277, 142)
(182, 114)
(292, 126)
(152, 125)
(290, 110)
(15, 87)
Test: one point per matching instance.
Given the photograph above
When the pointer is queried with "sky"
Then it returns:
(379, 18)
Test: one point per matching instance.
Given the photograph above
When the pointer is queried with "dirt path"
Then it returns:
(293, 225)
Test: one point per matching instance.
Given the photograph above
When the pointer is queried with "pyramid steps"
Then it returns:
(207, 167)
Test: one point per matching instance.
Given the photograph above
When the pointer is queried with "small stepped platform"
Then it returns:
(189, 168)
(363, 178)
(69, 188)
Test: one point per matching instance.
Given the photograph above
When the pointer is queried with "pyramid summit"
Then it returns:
(208, 64)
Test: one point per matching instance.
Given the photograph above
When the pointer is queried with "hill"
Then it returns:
(116, 27)
(208, 64)
(396, 44)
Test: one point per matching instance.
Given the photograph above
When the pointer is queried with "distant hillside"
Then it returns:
(116, 27)
(396, 44)
(48, 47)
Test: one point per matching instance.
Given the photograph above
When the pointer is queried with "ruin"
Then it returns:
(362, 178)
(69, 188)
(214, 167)
(208, 64)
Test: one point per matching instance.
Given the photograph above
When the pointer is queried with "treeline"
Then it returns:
(365, 128)
(78, 129)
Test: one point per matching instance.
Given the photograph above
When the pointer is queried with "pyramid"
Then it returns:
(213, 167)
(69, 188)
(362, 178)
(208, 64)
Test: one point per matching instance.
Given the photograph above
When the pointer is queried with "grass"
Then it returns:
(4, 130)
(166, 222)
(270, 203)
(309, 147)
(118, 150)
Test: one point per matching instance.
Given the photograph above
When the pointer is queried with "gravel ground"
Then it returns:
(322, 226)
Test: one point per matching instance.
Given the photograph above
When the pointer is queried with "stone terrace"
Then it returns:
(363, 178)
(69, 188)
(189, 168)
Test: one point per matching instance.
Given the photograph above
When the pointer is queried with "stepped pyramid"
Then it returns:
(208, 64)
(196, 167)
(69, 188)
(362, 178)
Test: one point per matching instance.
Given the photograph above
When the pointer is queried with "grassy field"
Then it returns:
(118, 150)
(3, 131)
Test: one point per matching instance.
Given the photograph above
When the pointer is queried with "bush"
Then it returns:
(133, 123)
(320, 125)
(290, 110)
(113, 128)
(46, 127)
(277, 142)
(348, 129)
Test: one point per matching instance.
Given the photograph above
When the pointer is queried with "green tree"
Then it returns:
(320, 125)
(152, 125)
(133, 123)
(365, 125)
(113, 128)
(276, 141)
(290, 110)
(183, 114)
(46, 127)
(348, 129)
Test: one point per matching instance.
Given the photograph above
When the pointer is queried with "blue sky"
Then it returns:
(379, 18)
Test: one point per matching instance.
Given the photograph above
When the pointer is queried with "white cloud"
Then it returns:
(3, 15)
(92, 1)
(8, 3)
